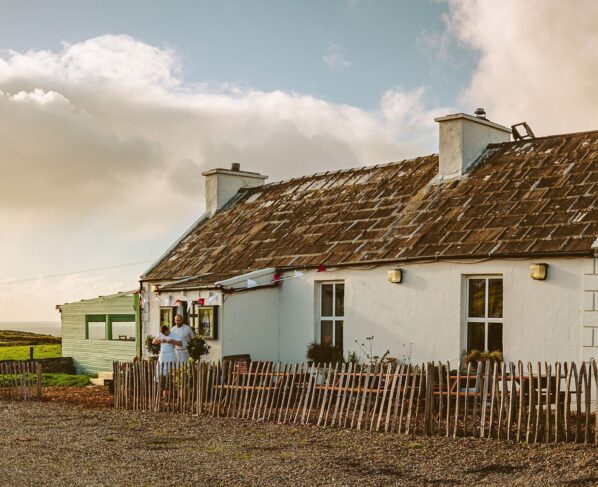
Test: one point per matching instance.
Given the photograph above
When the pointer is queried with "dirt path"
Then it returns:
(58, 444)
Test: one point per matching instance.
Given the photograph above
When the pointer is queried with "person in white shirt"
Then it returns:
(167, 344)
(183, 333)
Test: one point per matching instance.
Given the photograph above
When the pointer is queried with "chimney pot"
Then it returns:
(480, 113)
(235, 166)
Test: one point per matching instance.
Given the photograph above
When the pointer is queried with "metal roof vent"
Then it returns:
(480, 113)
(235, 166)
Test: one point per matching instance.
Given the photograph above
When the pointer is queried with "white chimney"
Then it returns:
(463, 138)
(223, 184)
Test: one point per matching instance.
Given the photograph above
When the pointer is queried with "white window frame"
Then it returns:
(485, 319)
(332, 318)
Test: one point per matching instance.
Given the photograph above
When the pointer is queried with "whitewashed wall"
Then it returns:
(543, 320)
(251, 324)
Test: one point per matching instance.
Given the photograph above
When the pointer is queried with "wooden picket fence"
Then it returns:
(20, 380)
(532, 403)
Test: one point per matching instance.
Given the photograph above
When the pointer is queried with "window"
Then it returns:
(204, 320)
(110, 327)
(166, 316)
(122, 327)
(95, 327)
(332, 312)
(484, 314)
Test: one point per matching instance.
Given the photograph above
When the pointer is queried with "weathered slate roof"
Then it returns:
(526, 198)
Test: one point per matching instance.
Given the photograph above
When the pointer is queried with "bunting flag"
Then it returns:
(212, 300)
(298, 274)
(251, 283)
(321, 268)
(201, 301)
(276, 277)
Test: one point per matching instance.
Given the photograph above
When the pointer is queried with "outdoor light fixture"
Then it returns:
(395, 276)
(538, 271)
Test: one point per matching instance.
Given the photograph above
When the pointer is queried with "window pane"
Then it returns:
(96, 330)
(326, 299)
(338, 330)
(475, 337)
(166, 317)
(494, 337)
(477, 303)
(339, 304)
(206, 318)
(495, 298)
(326, 332)
(123, 330)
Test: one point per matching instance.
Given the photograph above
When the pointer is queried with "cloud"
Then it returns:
(103, 145)
(335, 58)
(538, 61)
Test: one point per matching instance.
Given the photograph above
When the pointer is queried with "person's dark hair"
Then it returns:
(164, 328)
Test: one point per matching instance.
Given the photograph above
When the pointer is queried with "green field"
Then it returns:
(21, 352)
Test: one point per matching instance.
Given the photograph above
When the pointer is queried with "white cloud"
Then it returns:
(103, 145)
(538, 61)
(335, 58)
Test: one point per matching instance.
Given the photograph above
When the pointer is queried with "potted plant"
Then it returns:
(152, 349)
(323, 353)
(197, 348)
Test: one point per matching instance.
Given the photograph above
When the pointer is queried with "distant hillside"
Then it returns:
(11, 338)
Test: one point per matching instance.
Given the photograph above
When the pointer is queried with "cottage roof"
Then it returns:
(521, 199)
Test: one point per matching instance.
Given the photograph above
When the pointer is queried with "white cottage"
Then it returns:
(490, 244)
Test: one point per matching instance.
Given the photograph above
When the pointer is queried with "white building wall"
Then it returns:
(543, 320)
(590, 310)
(250, 324)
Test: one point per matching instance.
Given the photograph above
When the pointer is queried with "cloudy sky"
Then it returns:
(110, 111)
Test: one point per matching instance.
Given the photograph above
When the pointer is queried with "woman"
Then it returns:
(167, 355)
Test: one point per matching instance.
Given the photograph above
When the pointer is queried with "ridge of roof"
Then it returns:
(543, 137)
(367, 167)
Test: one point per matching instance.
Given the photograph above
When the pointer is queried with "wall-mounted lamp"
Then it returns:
(538, 271)
(395, 276)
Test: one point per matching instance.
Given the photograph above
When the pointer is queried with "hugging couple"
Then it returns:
(173, 342)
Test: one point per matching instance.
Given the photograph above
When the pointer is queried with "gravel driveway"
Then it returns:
(60, 444)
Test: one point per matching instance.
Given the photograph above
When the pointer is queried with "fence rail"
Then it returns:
(20, 380)
(532, 403)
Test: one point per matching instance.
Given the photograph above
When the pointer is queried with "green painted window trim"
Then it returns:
(120, 317)
(108, 319)
(96, 319)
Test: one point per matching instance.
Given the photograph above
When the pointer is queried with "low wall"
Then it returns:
(62, 365)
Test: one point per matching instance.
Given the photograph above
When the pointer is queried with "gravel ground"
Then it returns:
(61, 444)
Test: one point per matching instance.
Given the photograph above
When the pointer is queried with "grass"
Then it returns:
(51, 380)
(22, 352)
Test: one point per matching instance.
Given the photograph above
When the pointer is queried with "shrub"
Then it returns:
(150, 347)
(324, 353)
(197, 347)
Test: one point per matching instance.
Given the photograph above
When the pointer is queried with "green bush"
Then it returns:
(153, 349)
(323, 353)
(197, 347)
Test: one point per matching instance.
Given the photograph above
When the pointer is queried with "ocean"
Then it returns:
(45, 327)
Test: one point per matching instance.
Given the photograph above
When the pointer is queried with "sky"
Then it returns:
(110, 111)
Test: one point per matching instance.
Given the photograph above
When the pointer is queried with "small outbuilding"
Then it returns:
(96, 332)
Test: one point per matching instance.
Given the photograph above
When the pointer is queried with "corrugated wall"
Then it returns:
(92, 356)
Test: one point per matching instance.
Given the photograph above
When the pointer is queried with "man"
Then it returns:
(181, 332)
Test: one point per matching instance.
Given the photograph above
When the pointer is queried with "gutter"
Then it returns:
(435, 258)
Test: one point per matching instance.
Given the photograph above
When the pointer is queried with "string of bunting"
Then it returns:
(277, 278)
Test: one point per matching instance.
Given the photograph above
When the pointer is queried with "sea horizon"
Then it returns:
(44, 327)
